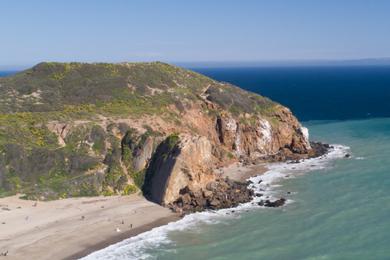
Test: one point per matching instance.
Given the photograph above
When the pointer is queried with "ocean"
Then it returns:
(317, 93)
(6, 73)
(338, 208)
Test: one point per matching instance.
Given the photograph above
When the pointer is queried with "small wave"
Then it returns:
(137, 247)
(266, 183)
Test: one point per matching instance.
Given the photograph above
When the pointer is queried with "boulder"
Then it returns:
(274, 204)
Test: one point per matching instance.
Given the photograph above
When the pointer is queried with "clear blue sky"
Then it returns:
(175, 31)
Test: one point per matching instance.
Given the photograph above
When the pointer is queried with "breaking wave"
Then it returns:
(137, 247)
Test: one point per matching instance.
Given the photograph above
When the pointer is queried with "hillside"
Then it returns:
(78, 129)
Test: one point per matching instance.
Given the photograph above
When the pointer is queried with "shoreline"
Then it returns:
(122, 236)
(75, 227)
(95, 218)
(259, 178)
(241, 173)
(237, 172)
(35, 237)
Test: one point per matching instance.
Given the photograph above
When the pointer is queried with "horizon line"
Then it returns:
(230, 63)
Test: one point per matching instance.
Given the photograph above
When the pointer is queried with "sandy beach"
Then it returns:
(240, 172)
(72, 228)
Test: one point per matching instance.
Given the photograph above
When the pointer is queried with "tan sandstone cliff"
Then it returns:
(90, 129)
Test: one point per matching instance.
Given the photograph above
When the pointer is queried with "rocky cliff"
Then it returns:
(75, 129)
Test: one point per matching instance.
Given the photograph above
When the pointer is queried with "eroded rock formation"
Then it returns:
(122, 128)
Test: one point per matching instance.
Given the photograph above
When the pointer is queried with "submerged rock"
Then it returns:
(274, 204)
(225, 194)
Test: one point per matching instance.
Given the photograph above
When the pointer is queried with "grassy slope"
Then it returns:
(31, 159)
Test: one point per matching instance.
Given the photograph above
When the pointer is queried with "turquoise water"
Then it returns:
(339, 212)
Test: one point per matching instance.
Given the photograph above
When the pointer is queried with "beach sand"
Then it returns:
(75, 227)
(72, 228)
(239, 172)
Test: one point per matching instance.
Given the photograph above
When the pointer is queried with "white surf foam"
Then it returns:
(137, 247)
(265, 184)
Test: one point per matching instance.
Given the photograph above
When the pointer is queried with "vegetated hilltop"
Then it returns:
(78, 129)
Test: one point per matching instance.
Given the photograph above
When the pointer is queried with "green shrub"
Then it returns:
(129, 189)
(139, 178)
(230, 155)
(172, 141)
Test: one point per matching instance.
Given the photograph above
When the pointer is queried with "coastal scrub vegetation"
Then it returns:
(86, 156)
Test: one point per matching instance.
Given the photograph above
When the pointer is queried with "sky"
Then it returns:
(192, 31)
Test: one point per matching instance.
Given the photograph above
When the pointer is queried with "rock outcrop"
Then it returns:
(181, 177)
(77, 129)
(180, 163)
(261, 140)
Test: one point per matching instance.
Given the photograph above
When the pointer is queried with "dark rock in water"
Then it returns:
(347, 155)
(261, 203)
(260, 181)
(223, 193)
(258, 194)
(293, 162)
(319, 149)
(276, 203)
(288, 192)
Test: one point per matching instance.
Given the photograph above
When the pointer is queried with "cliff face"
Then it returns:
(87, 129)
(263, 138)
(185, 164)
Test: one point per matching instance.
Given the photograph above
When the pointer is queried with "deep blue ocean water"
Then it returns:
(317, 93)
(338, 208)
(6, 73)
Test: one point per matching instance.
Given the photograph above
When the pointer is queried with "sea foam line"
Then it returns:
(136, 247)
